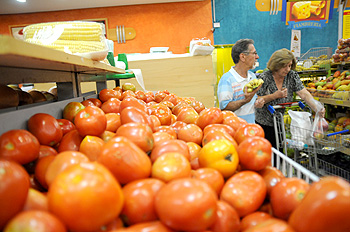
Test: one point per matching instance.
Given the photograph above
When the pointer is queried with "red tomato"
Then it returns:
(179, 106)
(271, 176)
(211, 176)
(106, 94)
(208, 116)
(187, 115)
(125, 160)
(326, 207)
(139, 200)
(79, 189)
(248, 130)
(19, 145)
(227, 219)
(87, 102)
(71, 109)
(36, 201)
(112, 105)
(191, 133)
(160, 137)
(133, 102)
(139, 94)
(70, 141)
(173, 145)
(61, 162)
(40, 169)
(187, 205)
(234, 121)
(177, 125)
(113, 122)
(45, 128)
(221, 127)
(162, 112)
(90, 121)
(91, 147)
(197, 105)
(46, 150)
(159, 96)
(171, 98)
(168, 129)
(245, 191)
(171, 166)
(254, 219)
(35, 220)
(65, 125)
(127, 93)
(13, 190)
(138, 133)
(133, 114)
(107, 135)
(97, 102)
(286, 195)
(155, 121)
(254, 153)
(271, 225)
(216, 135)
(194, 150)
(154, 226)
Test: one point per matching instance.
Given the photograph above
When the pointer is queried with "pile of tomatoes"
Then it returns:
(142, 161)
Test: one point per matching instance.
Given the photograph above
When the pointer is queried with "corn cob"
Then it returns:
(72, 45)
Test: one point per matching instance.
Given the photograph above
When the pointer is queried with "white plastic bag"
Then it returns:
(201, 47)
(300, 126)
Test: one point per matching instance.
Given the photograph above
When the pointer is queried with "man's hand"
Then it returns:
(248, 96)
(259, 103)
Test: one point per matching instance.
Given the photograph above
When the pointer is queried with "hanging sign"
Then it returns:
(295, 42)
(346, 24)
(307, 14)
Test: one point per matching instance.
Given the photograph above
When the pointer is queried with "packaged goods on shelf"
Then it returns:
(342, 52)
(81, 38)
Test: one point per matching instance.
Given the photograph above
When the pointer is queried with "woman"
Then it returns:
(280, 83)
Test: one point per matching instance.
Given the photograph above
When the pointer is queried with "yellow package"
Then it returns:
(301, 10)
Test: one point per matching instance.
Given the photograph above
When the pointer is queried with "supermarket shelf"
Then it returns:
(346, 151)
(332, 101)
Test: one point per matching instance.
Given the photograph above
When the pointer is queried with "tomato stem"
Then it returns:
(228, 157)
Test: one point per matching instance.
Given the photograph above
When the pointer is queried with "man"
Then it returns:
(231, 93)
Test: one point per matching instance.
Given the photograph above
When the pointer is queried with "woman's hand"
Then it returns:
(281, 93)
(259, 103)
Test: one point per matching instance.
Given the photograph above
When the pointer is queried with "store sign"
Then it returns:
(346, 24)
(307, 14)
(295, 42)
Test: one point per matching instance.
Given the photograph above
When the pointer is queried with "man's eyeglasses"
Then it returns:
(254, 53)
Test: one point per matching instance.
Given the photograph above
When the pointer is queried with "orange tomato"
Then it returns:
(91, 147)
(234, 121)
(248, 130)
(90, 121)
(36, 201)
(191, 133)
(79, 189)
(211, 176)
(167, 129)
(271, 177)
(227, 219)
(162, 112)
(209, 116)
(271, 225)
(133, 102)
(216, 135)
(113, 122)
(173, 145)
(187, 115)
(220, 155)
(245, 191)
(40, 169)
(221, 127)
(112, 105)
(254, 219)
(194, 149)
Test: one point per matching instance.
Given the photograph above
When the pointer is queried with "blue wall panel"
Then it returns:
(240, 19)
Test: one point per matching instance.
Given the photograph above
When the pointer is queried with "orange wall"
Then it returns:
(171, 25)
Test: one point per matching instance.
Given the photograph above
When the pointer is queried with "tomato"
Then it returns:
(13, 189)
(107, 135)
(171, 98)
(46, 150)
(171, 166)
(70, 141)
(154, 226)
(113, 122)
(179, 106)
(194, 149)
(71, 109)
(159, 96)
(197, 105)
(155, 121)
(85, 197)
(245, 191)
(45, 128)
(326, 207)
(168, 129)
(128, 86)
(336, 74)
(19, 145)
(133, 114)
(87, 102)
(61, 162)
(211, 176)
(216, 135)
(191, 133)
(127, 93)
(139, 200)
(90, 121)
(139, 94)
(286, 195)
(97, 102)
(65, 125)
(208, 116)
(40, 169)
(186, 205)
(91, 147)
(125, 160)
(271, 176)
(160, 137)
(177, 125)
(169, 104)
(112, 105)
(248, 130)
(227, 219)
(173, 145)
(254, 153)
(36, 201)
(35, 220)
(106, 94)
(271, 225)
(221, 127)
(113, 225)
(162, 112)
(220, 155)
(138, 133)
(234, 121)
(149, 96)
(254, 219)
(133, 102)
(187, 115)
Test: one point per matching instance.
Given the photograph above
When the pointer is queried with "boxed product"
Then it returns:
(201, 47)
(76, 37)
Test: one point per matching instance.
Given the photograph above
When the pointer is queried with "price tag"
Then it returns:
(338, 102)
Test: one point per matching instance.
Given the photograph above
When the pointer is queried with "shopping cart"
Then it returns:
(306, 154)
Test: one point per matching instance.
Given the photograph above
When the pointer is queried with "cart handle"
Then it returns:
(338, 132)
(282, 105)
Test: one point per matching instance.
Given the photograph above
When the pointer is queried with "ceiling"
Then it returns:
(31, 6)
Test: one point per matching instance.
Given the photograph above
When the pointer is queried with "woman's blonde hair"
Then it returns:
(281, 58)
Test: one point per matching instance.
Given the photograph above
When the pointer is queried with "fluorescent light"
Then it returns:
(21, 0)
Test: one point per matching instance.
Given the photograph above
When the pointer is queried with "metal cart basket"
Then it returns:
(306, 154)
